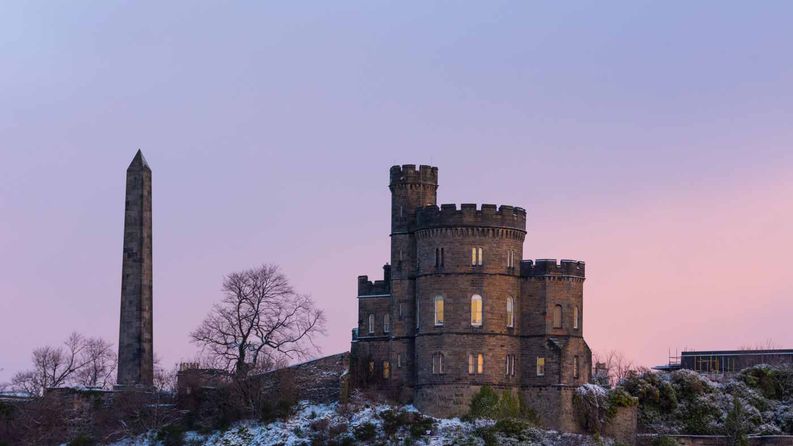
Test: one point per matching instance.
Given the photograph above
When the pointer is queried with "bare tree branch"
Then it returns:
(259, 321)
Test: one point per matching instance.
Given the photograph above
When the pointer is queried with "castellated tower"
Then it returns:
(135, 341)
(458, 308)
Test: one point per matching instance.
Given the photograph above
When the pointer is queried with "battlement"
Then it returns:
(407, 173)
(549, 267)
(367, 287)
(489, 215)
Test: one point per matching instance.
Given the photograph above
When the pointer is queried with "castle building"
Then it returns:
(458, 308)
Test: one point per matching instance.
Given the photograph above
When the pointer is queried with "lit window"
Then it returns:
(480, 364)
(471, 367)
(438, 311)
(386, 369)
(575, 367)
(476, 256)
(371, 324)
(476, 310)
(510, 312)
(437, 363)
(540, 366)
(371, 367)
(557, 316)
(575, 318)
(386, 323)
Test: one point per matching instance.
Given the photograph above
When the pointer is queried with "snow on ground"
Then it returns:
(335, 424)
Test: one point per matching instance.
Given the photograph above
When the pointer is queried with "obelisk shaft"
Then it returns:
(135, 343)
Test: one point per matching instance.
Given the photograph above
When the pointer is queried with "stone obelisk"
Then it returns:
(135, 340)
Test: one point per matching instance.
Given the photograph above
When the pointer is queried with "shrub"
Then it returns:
(365, 431)
(484, 404)
(420, 425)
(82, 440)
(487, 403)
(664, 441)
(171, 435)
(735, 426)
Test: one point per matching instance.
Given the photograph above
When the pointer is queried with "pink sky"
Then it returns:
(652, 141)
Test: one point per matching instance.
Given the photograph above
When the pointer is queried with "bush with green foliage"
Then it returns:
(487, 403)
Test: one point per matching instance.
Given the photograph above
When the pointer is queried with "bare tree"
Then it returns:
(260, 321)
(100, 361)
(79, 360)
(616, 364)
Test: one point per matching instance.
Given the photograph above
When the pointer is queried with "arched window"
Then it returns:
(510, 312)
(575, 317)
(476, 310)
(386, 323)
(438, 311)
(557, 316)
(371, 324)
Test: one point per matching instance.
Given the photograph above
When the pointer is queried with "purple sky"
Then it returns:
(653, 141)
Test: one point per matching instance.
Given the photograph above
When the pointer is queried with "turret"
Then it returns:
(410, 189)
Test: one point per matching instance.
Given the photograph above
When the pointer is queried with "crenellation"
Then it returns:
(464, 256)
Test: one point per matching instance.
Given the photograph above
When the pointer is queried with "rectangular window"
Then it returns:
(510, 259)
(480, 364)
(387, 323)
(400, 311)
(437, 363)
(471, 368)
(510, 312)
(386, 370)
(371, 324)
(575, 367)
(540, 366)
(509, 366)
(438, 311)
(399, 360)
(479, 259)
(371, 368)
(437, 257)
(473, 256)
(476, 310)
(442, 256)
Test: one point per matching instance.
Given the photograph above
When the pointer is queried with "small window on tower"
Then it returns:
(386, 370)
(399, 360)
(438, 311)
(442, 256)
(476, 310)
(371, 324)
(557, 316)
(480, 364)
(540, 366)
(575, 367)
(437, 363)
(471, 364)
(575, 318)
(510, 312)
(386, 323)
